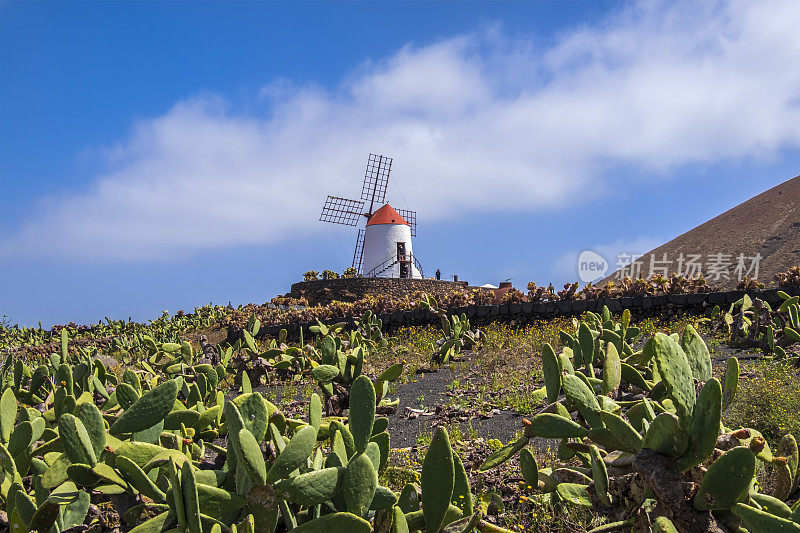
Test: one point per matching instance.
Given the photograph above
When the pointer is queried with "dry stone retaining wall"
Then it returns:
(523, 313)
(351, 289)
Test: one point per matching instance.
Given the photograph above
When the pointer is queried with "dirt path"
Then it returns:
(430, 393)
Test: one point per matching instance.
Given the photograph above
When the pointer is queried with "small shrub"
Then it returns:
(329, 274)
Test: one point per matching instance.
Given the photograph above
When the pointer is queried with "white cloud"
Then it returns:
(475, 122)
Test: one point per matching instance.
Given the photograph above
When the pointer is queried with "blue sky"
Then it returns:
(164, 155)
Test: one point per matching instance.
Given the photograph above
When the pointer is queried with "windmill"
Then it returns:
(383, 245)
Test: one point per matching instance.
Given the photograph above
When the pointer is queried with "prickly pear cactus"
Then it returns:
(147, 437)
(647, 427)
(457, 334)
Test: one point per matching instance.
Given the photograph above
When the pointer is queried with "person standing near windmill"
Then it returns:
(438, 274)
(383, 247)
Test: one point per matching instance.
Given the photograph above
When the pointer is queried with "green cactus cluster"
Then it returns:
(368, 330)
(350, 272)
(753, 323)
(337, 361)
(334, 359)
(185, 437)
(330, 274)
(456, 331)
(643, 434)
(121, 337)
(70, 434)
(252, 362)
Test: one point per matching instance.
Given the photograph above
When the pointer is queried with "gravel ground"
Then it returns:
(432, 386)
(503, 424)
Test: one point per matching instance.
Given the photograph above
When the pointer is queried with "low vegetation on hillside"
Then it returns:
(336, 310)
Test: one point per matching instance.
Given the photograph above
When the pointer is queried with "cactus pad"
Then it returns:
(148, 410)
(438, 480)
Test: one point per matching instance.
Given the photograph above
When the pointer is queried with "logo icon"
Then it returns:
(591, 266)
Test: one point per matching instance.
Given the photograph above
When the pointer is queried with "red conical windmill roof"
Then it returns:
(386, 215)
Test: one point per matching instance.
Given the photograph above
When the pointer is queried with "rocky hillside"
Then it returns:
(767, 224)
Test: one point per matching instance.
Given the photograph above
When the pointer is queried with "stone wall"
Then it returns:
(352, 289)
(524, 313)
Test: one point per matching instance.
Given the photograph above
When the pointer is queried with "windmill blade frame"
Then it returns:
(358, 255)
(376, 179)
(410, 217)
(342, 211)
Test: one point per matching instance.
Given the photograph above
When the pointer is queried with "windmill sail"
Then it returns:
(358, 256)
(410, 217)
(376, 179)
(341, 211)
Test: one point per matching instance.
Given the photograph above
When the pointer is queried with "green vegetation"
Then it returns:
(337, 370)
(752, 323)
(639, 458)
(149, 438)
(112, 335)
(656, 285)
(456, 330)
(632, 425)
(770, 401)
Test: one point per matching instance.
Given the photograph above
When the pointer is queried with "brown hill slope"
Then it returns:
(768, 224)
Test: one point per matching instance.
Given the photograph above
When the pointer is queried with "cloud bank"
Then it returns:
(474, 122)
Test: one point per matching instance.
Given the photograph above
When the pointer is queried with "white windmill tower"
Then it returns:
(383, 246)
